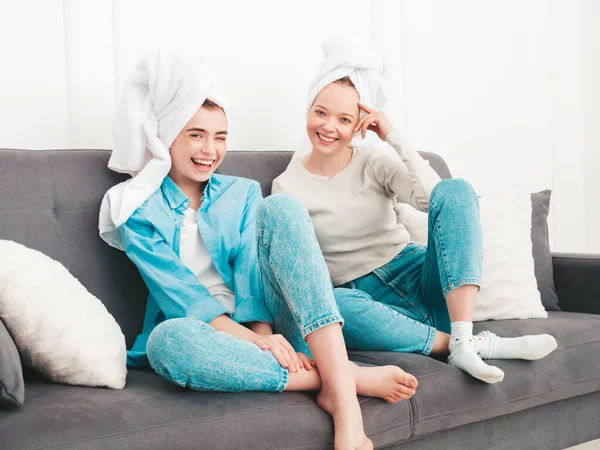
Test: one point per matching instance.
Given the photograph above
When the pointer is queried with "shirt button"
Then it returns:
(185, 204)
(176, 221)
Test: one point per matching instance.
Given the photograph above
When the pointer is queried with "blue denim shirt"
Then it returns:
(227, 224)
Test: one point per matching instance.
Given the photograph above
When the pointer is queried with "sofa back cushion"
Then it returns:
(49, 201)
(264, 167)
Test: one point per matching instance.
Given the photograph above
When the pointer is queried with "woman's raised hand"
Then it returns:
(375, 121)
(282, 351)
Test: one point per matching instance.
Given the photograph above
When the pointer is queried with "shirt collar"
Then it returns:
(175, 196)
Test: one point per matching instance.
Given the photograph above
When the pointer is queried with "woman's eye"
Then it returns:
(195, 135)
(318, 112)
(345, 120)
(222, 139)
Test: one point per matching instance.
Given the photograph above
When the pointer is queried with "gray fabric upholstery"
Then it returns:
(554, 426)
(447, 397)
(577, 280)
(12, 385)
(542, 258)
(49, 201)
(153, 413)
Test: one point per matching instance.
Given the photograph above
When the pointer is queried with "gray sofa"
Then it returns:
(49, 201)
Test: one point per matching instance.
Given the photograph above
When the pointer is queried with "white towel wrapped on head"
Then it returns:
(162, 94)
(365, 68)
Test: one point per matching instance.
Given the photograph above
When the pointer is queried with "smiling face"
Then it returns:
(200, 147)
(332, 118)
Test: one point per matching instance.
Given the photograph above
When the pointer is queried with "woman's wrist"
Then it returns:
(227, 325)
(261, 328)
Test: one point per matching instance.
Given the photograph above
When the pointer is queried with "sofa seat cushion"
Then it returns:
(153, 413)
(447, 397)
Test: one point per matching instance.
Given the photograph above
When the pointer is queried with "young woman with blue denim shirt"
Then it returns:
(401, 296)
(255, 269)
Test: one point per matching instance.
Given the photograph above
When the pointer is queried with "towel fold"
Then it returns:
(162, 94)
(366, 69)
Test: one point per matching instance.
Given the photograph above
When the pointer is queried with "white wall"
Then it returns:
(504, 90)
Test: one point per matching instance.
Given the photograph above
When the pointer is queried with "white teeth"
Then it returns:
(325, 138)
(206, 162)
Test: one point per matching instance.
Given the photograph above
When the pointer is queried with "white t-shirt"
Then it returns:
(194, 255)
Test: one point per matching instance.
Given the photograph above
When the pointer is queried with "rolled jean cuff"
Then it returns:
(320, 323)
(460, 282)
(430, 341)
(284, 380)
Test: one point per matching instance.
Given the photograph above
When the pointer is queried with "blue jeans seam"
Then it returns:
(285, 295)
(320, 323)
(415, 307)
(284, 380)
(460, 282)
(430, 341)
(444, 258)
(384, 271)
(397, 289)
(432, 205)
(428, 345)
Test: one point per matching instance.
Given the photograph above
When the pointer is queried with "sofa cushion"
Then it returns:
(542, 258)
(12, 386)
(60, 329)
(447, 397)
(151, 412)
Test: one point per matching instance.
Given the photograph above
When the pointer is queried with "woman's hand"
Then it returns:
(306, 361)
(375, 121)
(282, 351)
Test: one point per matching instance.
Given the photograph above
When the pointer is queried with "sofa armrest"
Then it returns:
(577, 281)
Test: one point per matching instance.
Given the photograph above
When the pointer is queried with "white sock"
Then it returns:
(464, 356)
(490, 346)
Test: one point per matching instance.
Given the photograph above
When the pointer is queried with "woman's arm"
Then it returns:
(261, 328)
(227, 325)
(411, 179)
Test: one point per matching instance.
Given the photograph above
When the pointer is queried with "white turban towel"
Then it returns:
(365, 68)
(162, 94)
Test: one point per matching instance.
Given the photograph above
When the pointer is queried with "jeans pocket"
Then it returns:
(403, 298)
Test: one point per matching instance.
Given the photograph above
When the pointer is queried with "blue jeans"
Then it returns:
(297, 291)
(407, 296)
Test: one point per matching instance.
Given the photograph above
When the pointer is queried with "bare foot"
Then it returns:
(390, 383)
(347, 420)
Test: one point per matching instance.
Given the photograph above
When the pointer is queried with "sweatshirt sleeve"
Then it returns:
(409, 177)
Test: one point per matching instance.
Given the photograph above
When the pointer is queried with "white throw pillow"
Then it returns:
(60, 329)
(508, 284)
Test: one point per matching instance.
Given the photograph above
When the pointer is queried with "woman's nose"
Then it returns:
(329, 125)
(208, 147)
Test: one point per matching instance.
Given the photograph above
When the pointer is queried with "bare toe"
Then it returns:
(410, 381)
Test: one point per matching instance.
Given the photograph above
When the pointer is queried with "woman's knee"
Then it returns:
(454, 190)
(350, 299)
(280, 206)
(170, 338)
